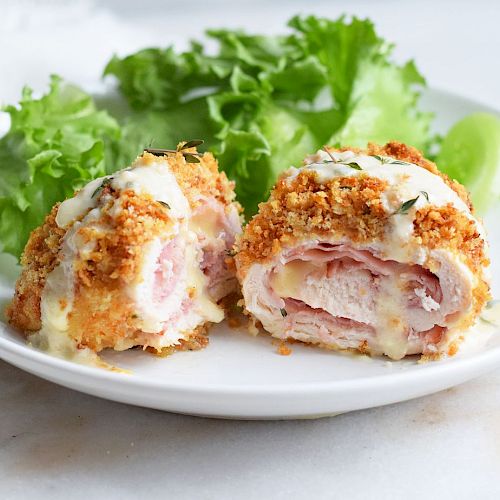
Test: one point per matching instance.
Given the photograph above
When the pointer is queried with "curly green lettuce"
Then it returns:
(55, 145)
(261, 103)
(264, 102)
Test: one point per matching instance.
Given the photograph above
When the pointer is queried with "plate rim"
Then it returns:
(431, 370)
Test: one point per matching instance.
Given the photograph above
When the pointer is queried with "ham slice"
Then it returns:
(351, 298)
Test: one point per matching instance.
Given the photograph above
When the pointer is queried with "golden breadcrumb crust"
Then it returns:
(40, 256)
(102, 315)
(446, 226)
(347, 207)
(117, 252)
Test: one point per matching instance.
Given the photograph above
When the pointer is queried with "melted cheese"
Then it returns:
(197, 285)
(289, 279)
(392, 336)
(56, 304)
(206, 223)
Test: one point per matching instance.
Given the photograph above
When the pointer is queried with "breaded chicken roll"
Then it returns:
(138, 258)
(371, 250)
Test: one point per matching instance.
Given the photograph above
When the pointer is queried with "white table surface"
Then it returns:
(59, 444)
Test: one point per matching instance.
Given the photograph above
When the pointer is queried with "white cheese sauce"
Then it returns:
(405, 181)
(154, 179)
(74, 208)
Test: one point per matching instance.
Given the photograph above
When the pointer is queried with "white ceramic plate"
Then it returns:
(239, 376)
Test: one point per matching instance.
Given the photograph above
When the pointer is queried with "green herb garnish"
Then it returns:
(104, 183)
(399, 162)
(283, 312)
(387, 160)
(405, 207)
(191, 144)
(353, 164)
(190, 157)
(164, 203)
(332, 158)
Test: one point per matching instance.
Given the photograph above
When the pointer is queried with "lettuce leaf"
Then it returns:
(470, 153)
(264, 102)
(261, 103)
(376, 98)
(55, 145)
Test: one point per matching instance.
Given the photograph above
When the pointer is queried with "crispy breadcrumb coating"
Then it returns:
(351, 207)
(117, 250)
(39, 258)
(447, 227)
(198, 179)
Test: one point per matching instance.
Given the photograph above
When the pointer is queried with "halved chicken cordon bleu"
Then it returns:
(138, 258)
(371, 250)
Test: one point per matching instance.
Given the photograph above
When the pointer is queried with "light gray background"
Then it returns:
(56, 443)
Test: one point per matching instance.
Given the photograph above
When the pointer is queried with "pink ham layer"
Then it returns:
(221, 279)
(212, 256)
(343, 259)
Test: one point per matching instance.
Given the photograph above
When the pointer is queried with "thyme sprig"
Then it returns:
(390, 161)
(164, 203)
(189, 156)
(405, 207)
(353, 164)
(330, 155)
(105, 182)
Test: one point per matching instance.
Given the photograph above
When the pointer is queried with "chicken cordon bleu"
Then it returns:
(139, 258)
(369, 250)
